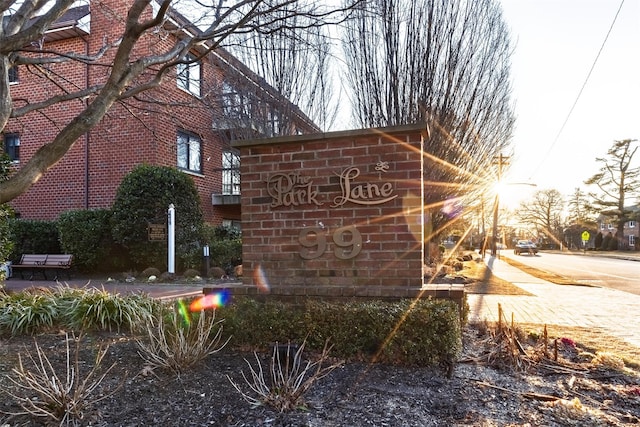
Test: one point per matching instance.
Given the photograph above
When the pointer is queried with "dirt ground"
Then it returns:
(503, 378)
(486, 389)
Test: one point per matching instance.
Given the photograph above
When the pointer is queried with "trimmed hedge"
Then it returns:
(86, 235)
(33, 237)
(420, 333)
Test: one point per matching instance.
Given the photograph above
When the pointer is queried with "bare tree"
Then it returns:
(297, 64)
(128, 75)
(580, 217)
(580, 210)
(544, 211)
(445, 62)
(618, 181)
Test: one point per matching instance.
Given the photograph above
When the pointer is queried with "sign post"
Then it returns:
(585, 239)
(171, 240)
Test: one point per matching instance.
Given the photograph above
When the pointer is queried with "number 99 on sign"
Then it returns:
(347, 241)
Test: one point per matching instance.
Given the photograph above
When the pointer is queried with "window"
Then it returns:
(232, 223)
(189, 149)
(632, 240)
(234, 104)
(13, 74)
(603, 226)
(610, 226)
(12, 146)
(230, 173)
(632, 224)
(189, 75)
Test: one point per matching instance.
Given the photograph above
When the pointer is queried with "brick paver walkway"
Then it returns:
(611, 310)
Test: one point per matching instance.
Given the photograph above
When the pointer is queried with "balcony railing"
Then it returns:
(230, 194)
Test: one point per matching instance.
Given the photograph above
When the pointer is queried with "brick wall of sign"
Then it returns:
(335, 214)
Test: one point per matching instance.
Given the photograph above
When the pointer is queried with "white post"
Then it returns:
(171, 240)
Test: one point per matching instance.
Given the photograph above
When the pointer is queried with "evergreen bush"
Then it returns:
(86, 235)
(6, 213)
(407, 332)
(225, 247)
(33, 237)
(143, 198)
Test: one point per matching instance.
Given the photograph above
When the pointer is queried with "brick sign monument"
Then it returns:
(334, 214)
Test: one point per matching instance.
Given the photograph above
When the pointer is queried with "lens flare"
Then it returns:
(184, 312)
(214, 300)
(452, 207)
(260, 280)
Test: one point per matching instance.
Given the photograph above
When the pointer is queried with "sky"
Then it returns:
(556, 43)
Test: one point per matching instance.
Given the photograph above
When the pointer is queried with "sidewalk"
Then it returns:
(614, 311)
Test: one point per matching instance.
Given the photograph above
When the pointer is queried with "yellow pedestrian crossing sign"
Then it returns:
(585, 236)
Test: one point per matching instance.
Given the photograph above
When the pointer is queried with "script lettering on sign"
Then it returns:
(366, 193)
(291, 189)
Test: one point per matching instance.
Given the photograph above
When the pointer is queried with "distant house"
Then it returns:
(188, 123)
(631, 230)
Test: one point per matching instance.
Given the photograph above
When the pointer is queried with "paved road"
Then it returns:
(610, 272)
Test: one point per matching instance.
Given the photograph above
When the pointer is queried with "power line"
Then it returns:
(593, 65)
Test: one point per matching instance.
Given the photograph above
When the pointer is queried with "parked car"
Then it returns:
(525, 246)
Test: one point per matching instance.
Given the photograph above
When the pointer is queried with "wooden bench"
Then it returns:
(42, 263)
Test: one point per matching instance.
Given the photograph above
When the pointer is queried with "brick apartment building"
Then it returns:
(189, 122)
(630, 232)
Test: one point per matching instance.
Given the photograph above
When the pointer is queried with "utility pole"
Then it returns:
(500, 161)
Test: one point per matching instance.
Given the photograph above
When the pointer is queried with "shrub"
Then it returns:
(177, 343)
(101, 310)
(33, 237)
(64, 397)
(87, 235)
(142, 199)
(225, 247)
(423, 332)
(6, 244)
(598, 240)
(259, 324)
(226, 254)
(27, 312)
(150, 271)
(191, 273)
(289, 378)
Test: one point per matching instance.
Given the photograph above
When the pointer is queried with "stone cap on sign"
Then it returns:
(423, 128)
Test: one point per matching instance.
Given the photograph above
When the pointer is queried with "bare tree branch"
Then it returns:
(128, 74)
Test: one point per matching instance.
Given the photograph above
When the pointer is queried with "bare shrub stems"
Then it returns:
(176, 347)
(64, 398)
(289, 380)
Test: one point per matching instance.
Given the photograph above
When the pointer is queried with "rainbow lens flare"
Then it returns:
(260, 280)
(214, 300)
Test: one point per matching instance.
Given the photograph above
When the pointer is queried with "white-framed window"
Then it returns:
(12, 146)
(230, 173)
(189, 148)
(603, 226)
(632, 224)
(610, 226)
(632, 240)
(189, 75)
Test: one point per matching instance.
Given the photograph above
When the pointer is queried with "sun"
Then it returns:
(511, 195)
